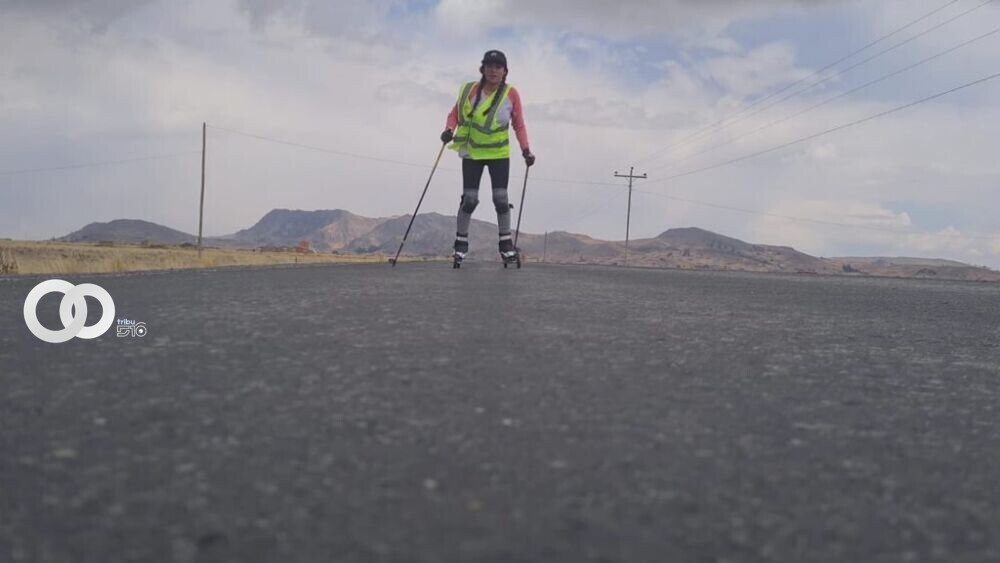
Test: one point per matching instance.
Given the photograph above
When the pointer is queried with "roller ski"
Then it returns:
(512, 257)
(509, 254)
(461, 249)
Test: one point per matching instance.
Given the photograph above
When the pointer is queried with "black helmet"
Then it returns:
(495, 57)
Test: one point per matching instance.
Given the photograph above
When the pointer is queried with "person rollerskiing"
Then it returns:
(478, 128)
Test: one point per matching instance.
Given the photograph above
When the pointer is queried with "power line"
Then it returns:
(96, 164)
(770, 214)
(828, 131)
(317, 148)
(616, 186)
(734, 118)
(336, 152)
(713, 205)
(835, 98)
(852, 67)
(761, 213)
(591, 211)
(801, 80)
(379, 159)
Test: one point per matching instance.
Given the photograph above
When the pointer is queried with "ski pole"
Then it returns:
(438, 159)
(521, 208)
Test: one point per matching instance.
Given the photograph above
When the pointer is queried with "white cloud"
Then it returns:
(605, 113)
(863, 223)
(621, 19)
(870, 226)
(94, 15)
(760, 70)
(823, 151)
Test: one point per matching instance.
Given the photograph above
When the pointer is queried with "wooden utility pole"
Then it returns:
(545, 246)
(201, 206)
(628, 215)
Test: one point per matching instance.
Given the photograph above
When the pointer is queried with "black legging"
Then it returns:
(472, 174)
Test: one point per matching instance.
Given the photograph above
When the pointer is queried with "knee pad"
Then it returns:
(501, 204)
(468, 204)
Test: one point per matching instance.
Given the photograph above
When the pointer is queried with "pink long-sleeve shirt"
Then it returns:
(510, 112)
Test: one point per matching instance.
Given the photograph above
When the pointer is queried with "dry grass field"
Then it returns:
(30, 257)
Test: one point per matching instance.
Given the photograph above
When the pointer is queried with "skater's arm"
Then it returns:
(452, 121)
(517, 119)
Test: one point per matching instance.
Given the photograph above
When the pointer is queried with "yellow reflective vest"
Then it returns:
(479, 137)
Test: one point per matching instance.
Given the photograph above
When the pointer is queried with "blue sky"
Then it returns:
(604, 85)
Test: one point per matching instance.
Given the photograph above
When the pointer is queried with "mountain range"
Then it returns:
(433, 234)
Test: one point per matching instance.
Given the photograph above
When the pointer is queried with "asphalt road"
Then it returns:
(361, 413)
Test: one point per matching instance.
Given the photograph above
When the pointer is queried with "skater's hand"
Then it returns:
(529, 159)
(447, 136)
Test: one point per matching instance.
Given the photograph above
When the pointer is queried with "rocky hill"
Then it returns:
(433, 235)
(325, 230)
(128, 230)
(688, 248)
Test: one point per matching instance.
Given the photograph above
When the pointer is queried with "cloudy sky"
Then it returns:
(663, 86)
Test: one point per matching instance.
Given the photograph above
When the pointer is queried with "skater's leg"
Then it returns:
(472, 173)
(499, 176)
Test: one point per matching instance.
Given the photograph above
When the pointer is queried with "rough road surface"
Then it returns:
(570, 414)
